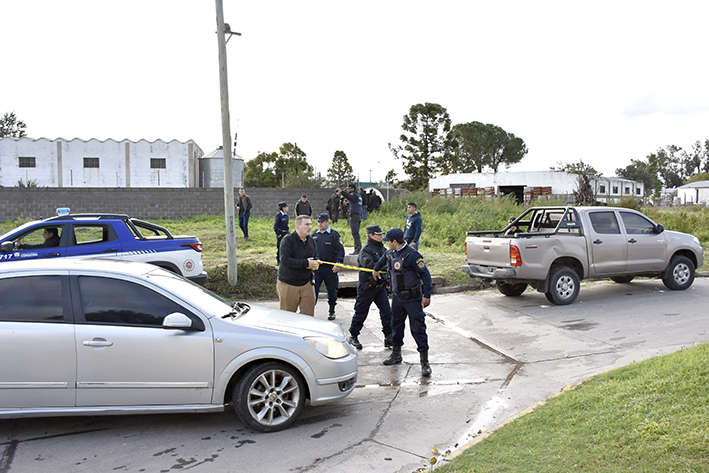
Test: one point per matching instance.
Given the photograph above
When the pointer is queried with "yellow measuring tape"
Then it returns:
(348, 267)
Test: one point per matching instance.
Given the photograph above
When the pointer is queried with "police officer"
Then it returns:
(354, 213)
(330, 248)
(411, 288)
(280, 226)
(370, 290)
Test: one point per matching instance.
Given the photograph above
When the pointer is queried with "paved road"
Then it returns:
(492, 356)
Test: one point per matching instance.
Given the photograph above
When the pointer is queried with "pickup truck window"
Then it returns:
(635, 223)
(90, 234)
(604, 222)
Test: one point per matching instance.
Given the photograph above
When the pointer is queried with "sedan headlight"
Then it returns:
(328, 346)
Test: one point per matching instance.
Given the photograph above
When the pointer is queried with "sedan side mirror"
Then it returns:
(659, 228)
(177, 320)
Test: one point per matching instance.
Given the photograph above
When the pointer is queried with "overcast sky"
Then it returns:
(603, 82)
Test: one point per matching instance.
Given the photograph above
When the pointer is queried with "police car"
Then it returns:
(111, 236)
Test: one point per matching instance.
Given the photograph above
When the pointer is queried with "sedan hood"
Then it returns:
(288, 322)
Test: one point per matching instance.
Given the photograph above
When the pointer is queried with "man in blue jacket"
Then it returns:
(411, 288)
(329, 246)
(414, 224)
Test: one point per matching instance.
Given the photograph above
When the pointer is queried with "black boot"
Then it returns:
(395, 357)
(387, 341)
(354, 341)
(331, 315)
(425, 366)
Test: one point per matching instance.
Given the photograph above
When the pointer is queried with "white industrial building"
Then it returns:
(94, 163)
(693, 193)
(606, 189)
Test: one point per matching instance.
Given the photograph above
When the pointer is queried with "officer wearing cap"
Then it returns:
(280, 226)
(411, 289)
(355, 213)
(330, 248)
(370, 290)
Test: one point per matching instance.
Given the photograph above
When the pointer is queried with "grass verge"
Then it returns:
(646, 417)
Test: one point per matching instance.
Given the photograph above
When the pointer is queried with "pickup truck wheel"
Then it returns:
(563, 286)
(511, 290)
(622, 279)
(680, 274)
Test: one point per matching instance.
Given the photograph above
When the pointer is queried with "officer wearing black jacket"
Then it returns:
(329, 245)
(370, 290)
(411, 289)
(354, 213)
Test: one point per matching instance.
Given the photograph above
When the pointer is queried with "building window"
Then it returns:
(602, 189)
(28, 162)
(158, 163)
(615, 189)
(627, 190)
(637, 191)
(91, 163)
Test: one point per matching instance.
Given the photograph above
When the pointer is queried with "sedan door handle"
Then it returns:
(98, 342)
(632, 240)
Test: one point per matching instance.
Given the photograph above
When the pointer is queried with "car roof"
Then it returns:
(59, 265)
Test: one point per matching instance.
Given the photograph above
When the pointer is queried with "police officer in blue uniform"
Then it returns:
(411, 288)
(280, 226)
(329, 245)
(355, 213)
(370, 290)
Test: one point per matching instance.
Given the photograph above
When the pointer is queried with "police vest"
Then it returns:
(402, 280)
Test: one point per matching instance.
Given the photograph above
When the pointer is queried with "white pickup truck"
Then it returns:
(553, 248)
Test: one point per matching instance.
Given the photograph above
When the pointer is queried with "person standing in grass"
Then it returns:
(243, 207)
(280, 226)
(414, 225)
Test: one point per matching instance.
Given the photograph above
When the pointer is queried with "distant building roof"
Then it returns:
(695, 185)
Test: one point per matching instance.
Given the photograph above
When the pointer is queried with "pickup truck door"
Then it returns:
(647, 250)
(608, 246)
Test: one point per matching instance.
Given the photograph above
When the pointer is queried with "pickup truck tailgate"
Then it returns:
(487, 251)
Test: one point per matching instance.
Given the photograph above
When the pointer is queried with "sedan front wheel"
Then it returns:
(270, 396)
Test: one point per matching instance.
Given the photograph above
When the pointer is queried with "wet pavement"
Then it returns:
(492, 357)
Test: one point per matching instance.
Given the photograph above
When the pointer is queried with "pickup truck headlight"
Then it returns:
(328, 346)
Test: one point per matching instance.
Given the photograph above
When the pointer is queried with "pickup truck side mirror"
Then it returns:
(659, 228)
(7, 246)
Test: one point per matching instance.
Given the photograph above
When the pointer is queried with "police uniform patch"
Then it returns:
(397, 265)
(420, 263)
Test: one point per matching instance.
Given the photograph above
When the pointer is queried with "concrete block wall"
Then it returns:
(147, 203)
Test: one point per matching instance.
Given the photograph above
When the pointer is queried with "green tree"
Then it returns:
(667, 166)
(427, 143)
(260, 171)
(391, 178)
(584, 193)
(10, 126)
(639, 170)
(292, 169)
(479, 146)
(341, 172)
(701, 176)
(505, 148)
(471, 147)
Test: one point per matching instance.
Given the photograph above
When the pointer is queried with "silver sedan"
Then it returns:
(92, 337)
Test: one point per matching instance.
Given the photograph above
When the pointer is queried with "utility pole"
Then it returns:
(226, 149)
